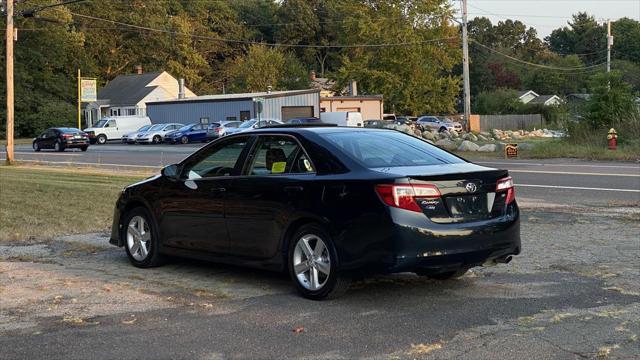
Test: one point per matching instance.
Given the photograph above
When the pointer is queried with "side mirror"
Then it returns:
(171, 171)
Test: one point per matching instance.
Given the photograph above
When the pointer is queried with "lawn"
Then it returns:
(39, 204)
(19, 141)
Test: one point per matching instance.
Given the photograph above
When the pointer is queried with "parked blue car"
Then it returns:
(192, 133)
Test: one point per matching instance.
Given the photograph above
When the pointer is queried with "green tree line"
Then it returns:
(233, 50)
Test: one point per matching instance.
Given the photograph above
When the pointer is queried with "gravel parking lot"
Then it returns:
(573, 293)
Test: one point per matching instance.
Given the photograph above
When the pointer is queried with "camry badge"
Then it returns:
(471, 187)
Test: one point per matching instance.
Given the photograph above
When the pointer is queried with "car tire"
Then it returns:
(58, 146)
(325, 286)
(101, 139)
(184, 140)
(141, 246)
(448, 275)
(157, 139)
(36, 147)
(84, 148)
(442, 129)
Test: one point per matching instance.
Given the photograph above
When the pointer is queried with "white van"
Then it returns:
(113, 128)
(342, 118)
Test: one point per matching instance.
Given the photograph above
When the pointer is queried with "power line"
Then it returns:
(251, 42)
(542, 66)
(32, 12)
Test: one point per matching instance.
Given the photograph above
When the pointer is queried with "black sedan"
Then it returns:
(61, 138)
(324, 204)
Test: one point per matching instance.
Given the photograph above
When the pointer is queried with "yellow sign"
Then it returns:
(278, 167)
(511, 151)
(88, 90)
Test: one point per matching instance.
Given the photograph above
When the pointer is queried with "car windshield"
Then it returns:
(186, 127)
(247, 124)
(100, 123)
(157, 127)
(375, 149)
(144, 128)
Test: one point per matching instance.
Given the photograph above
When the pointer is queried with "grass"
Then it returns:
(39, 204)
(21, 141)
(592, 151)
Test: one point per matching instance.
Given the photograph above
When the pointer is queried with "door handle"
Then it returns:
(293, 188)
(218, 190)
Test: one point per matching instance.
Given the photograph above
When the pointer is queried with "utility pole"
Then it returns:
(609, 44)
(9, 58)
(465, 65)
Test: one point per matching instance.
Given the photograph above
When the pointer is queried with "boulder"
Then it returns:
(485, 134)
(417, 133)
(442, 135)
(516, 135)
(428, 135)
(446, 144)
(468, 146)
(453, 134)
(482, 138)
(473, 137)
(487, 148)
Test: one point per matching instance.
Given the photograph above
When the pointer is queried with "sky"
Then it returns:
(547, 15)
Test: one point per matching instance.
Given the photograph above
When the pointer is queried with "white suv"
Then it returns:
(155, 134)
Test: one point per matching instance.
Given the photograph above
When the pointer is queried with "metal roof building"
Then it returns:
(280, 105)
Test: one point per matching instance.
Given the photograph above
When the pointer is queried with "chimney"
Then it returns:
(353, 88)
(181, 88)
(138, 69)
(312, 75)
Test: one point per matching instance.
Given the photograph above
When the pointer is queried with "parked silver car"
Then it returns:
(226, 127)
(155, 134)
(130, 138)
(253, 124)
(433, 123)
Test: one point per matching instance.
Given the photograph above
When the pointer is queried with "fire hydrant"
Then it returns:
(612, 137)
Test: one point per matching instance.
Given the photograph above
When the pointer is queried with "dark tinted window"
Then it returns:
(375, 149)
(69, 130)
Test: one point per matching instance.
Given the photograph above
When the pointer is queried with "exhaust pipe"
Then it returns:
(504, 260)
(494, 262)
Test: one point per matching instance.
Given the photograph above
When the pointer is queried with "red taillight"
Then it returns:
(404, 196)
(218, 129)
(67, 136)
(506, 184)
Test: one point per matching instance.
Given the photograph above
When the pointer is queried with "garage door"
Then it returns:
(290, 112)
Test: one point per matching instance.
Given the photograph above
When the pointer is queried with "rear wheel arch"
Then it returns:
(292, 229)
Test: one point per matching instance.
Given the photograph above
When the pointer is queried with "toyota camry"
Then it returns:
(324, 204)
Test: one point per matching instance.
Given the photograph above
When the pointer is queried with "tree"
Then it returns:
(583, 36)
(414, 79)
(612, 103)
(626, 44)
(265, 67)
(501, 101)
(556, 82)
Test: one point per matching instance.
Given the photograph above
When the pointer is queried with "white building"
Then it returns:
(127, 95)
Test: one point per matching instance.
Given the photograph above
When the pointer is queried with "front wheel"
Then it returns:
(157, 139)
(101, 139)
(141, 239)
(442, 129)
(36, 146)
(314, 265)
(58, 147)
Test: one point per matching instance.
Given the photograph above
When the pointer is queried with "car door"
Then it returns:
(193, 206)
(50, 139)
(260, 204)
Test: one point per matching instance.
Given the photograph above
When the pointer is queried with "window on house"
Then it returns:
(130, 112)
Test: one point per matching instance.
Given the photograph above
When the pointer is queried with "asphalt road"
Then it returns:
(554, 181)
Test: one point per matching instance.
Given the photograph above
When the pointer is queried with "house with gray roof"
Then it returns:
(546, 100)
(127, 95)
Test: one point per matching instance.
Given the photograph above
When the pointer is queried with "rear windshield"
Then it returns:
(376, 149)
(69, 130)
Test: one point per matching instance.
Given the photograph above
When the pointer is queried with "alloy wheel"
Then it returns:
(311, 262)
(138, 238)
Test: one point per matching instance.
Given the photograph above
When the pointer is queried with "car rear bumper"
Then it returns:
(452, 245)
(75, 144)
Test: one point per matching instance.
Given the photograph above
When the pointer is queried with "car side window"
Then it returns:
(220, 160)
(110, 123)
(275, 155)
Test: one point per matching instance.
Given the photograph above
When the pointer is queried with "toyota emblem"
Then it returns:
(471, 187)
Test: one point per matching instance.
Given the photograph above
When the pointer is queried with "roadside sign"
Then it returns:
(204, 120)
(511, 151)
(259, 101)
(88, 92)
